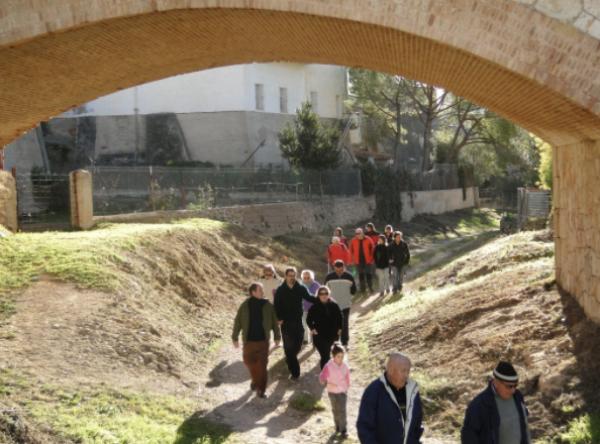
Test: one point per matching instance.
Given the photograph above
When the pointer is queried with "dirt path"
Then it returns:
(273, 420)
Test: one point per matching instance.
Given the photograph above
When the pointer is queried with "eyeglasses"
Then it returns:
(509, 386)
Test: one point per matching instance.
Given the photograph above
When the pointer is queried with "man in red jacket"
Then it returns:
(361, 254)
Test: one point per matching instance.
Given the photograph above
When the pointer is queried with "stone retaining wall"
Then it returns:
(281, 218)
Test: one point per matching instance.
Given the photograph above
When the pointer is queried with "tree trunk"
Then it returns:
(426, 164)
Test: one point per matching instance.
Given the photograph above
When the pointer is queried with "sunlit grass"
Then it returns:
(583, 430)
(107, 415)
(87, 258)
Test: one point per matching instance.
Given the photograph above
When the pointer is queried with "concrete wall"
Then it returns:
(8, 201)
(437, 201)
(576, 201)
(24, 153)
(229, 88)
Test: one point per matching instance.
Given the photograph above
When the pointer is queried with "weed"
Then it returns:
(583, 430)
(305, 402)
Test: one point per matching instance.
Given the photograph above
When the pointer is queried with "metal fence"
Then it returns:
(132, 189)
(43, 201)
(533, 205)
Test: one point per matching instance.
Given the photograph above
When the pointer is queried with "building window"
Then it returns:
(314, 101)
(338, 106)
(259, 95)
(283, 104)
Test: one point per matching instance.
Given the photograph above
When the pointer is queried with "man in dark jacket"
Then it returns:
(288, 307)
(399, 259)
(325, 321)
(339, 273)
(498, 414)
(390, 408)
(256, 319)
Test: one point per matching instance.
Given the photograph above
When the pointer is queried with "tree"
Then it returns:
(388, 98)
(545, 169)
(379, 97)
(308, 144)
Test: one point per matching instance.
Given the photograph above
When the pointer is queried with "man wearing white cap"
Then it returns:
(498, 414)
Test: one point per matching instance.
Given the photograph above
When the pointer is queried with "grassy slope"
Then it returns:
(166, 292)
(498, 301)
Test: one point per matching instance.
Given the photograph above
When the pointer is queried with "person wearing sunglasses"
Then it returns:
(325, 322)
(498, 414)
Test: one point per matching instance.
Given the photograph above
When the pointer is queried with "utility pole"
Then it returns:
(136, 125)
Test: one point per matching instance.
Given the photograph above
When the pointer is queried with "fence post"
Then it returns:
(82, 199)
(8, 201)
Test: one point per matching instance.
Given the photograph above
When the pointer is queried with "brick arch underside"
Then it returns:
(47, 75)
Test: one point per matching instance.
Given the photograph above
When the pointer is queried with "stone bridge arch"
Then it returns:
(519, 61)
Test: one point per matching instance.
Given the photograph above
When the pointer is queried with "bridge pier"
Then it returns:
(576, 196)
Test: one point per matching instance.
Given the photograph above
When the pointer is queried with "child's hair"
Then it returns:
(337, 348)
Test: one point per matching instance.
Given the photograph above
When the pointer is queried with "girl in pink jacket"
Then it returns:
(336, 375)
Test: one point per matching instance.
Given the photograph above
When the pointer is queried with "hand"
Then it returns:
(277, 342)
(339, 333)
(314, 332)
(236, 344)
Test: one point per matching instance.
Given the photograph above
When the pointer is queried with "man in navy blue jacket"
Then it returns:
(390, 408)
(498, 414)
(288, 308)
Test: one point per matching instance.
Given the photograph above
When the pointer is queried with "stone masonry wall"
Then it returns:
(577, 222)
(281, 218)
(8, 201)
(583, 14)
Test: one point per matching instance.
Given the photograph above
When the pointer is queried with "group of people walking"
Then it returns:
(370, 253)
(296, 310)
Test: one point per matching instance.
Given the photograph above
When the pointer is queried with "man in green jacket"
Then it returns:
(256, 319)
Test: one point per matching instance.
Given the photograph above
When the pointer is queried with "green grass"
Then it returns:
(477, 221)
(305, 402)
(583, 430)
(7, 307)
(87, 258)
(105, 415)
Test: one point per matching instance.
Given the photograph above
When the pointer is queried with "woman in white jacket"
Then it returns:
(270, 281)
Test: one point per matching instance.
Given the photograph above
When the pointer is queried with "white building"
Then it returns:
(220, 115)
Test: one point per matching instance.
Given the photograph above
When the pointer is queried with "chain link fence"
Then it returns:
(136, 189)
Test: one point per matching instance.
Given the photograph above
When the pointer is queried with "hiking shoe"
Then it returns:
(260, 394)
(294, 378)
(343, 434)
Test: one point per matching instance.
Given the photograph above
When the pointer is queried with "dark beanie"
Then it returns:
(505, 372)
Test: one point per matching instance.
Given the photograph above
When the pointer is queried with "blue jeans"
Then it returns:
(397, 278)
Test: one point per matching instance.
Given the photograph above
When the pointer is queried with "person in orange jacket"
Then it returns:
(336, 250)
(361, 255)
